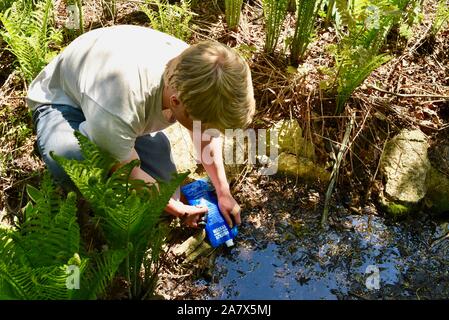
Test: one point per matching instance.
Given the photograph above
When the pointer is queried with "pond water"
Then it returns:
(364, 257)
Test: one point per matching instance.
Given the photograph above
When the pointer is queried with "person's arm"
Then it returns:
(212, 160)
(189, 214)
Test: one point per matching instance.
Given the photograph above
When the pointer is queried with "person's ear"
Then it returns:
(174, 101)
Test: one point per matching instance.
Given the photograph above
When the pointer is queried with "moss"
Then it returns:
(437, 197)
(397, 210)
(290, 139)
(394, 209)
(304, 168)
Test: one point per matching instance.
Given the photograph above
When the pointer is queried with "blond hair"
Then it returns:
(214, 83)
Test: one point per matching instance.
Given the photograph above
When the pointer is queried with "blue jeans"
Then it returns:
(55, 125)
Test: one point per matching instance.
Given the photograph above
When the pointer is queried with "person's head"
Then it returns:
(211, 83)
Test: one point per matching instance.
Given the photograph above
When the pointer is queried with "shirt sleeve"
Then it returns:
(107, 130)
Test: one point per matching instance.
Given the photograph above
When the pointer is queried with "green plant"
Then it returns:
(128, 211)
(170, 18)
(410, 15)
(330, 11)
(5, 4)
(367, 24)
(30, 36)
(37, 256)
(441, 17)
(306, 15)
(274, 13)
(354, 68)
(233, 9)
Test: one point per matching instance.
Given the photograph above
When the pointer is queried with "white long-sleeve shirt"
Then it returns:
(114, 75)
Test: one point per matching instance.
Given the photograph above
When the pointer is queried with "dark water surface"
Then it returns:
(411, 262)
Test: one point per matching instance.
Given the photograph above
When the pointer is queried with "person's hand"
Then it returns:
(192, 215)
(189, 215)
(230, 209)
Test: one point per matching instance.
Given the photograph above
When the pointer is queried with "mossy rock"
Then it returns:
(291, 165)
(290, 139)
(437, 197)
(396, 209)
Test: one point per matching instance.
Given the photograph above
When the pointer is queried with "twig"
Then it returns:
(404, 95)
(334, 174)
(416, 45)
(373, 178)
(439, 240)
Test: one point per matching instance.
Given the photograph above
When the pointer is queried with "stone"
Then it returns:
(301, 167)
(181, 147)
(191, 244)
(405, 166)
(184, 155)
(290, 139)
(203, 250)
(437, 197)
(236, 147)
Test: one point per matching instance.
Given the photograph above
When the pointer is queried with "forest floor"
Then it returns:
(406, 92)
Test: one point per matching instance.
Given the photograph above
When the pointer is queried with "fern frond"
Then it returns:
(306, 15)
(28, 34)
(95, 280)
(47, 238)
(93, 155)
(233, 9)
(129, 210)
(275, 12)
(345, 13)
(173, 19)
(353, 76)
(441, 17)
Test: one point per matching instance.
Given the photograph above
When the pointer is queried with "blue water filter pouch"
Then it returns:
(201, 192)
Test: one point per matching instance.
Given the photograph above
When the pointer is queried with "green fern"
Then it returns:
(306, 16)
(275, 12)
(5, 4)
(233, 10)
(441, 17)
(354, 72)
(170, 18)
(96, 279)
(129, 210)
(30, 36)
(35, 258)
(364, 26)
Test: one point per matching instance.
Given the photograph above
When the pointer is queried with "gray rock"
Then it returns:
(405, 165)
(291, 140)
(182, 148)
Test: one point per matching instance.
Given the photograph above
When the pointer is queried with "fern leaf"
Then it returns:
(96, 280)
(356, 76)
(232, 11)
(274, 13)
(93, 155)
